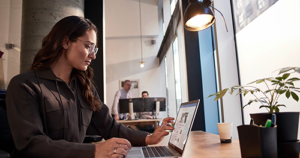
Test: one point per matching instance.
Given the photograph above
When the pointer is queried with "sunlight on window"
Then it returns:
(173, 4)
(166, 76)
(176, 73)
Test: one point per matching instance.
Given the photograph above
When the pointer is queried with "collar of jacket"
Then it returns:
(49, 75)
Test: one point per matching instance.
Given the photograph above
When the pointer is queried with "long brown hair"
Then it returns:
(71, 27)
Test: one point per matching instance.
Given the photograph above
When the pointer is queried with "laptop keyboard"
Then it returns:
(156, 151)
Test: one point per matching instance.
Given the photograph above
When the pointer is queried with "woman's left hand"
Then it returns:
(160, 132)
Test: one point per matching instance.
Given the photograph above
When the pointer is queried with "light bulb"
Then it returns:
(142, 65)
(199, 21)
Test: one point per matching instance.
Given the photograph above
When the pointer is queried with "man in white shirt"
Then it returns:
(121, 94)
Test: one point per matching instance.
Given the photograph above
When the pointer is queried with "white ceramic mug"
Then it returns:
(225, 132)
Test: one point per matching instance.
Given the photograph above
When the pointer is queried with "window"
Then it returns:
(173, 4)
(176, 73)
(166, 77)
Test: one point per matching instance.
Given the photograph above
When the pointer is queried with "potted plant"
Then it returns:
(281, 85)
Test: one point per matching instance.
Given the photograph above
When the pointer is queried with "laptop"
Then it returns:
(178, 139)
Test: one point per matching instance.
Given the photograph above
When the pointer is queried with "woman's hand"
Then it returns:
(160, 132)
(168, 121)
(114, 147)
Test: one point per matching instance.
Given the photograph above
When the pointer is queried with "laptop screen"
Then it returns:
(183, 123)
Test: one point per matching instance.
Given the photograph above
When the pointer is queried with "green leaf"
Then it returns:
(295, 96)
(297, 91)
(267, 91)
(276, 109)
(297, 69)
(279, 78)
(285, 76)
(252, 82)
(290, 83)
(281, 84)
(246, 92)
(231, 90)
(264, 106)
(212, 95)
(244, 106)
(222, 93)
(274, 81)
(281, 105)
(293, 79)
(260, 81)
(288, 94)
(282, 91)
(250, 101)
(263, 100)
(251, 91)
(286, 69)
(239, 93)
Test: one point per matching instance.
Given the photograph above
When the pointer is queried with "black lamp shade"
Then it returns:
(198, 16)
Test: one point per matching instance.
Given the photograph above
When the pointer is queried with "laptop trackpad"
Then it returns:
(135, 152)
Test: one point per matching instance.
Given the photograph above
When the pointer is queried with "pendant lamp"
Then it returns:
(142, 60)
(198, 15)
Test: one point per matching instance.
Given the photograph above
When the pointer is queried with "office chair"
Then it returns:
(6, 140)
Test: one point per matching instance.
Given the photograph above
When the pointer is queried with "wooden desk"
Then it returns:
(140, 122)
(206, 145)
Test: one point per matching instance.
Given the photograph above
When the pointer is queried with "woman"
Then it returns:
(51, 106)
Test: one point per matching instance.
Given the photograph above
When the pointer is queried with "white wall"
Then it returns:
(4, 34)
(10, 32)
(13, 62)
(268, 43)
(123, 46)
(167, 13)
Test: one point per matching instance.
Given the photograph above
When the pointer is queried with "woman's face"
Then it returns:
(78, 55)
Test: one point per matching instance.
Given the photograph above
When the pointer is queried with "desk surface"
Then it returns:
(140, 120)
(207, 145)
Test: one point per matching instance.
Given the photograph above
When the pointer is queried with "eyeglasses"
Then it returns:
(91, 48)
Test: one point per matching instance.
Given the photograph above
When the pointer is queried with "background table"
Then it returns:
(140, 122)
(207, 145)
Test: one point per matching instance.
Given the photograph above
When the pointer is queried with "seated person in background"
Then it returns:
(123, 93)
(145, 115)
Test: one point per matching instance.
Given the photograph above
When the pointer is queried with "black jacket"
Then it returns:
(57, 128)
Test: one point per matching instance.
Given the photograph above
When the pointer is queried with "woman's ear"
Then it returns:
(65, 43)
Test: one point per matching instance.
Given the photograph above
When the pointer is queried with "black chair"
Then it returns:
(6, 141)
(4, 154)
